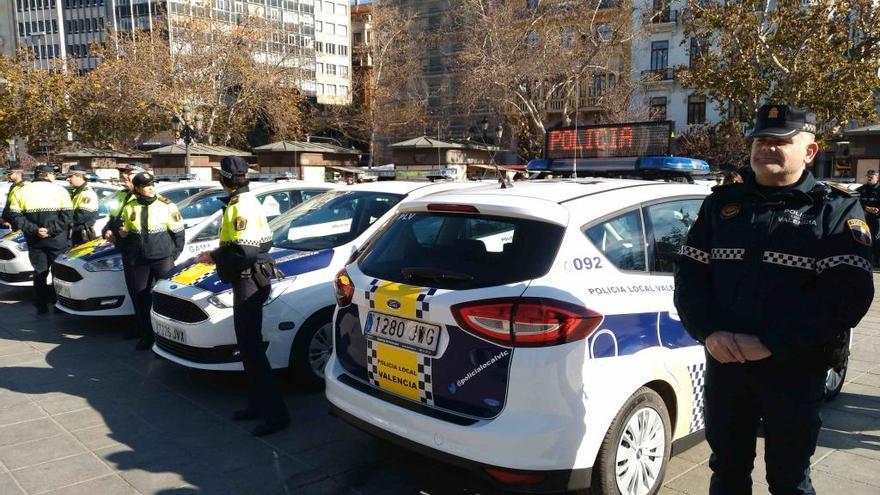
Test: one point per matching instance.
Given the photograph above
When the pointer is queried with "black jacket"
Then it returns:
(155, 231)
(869, 196)
(42, 204)
(789, 265)
(7, 215)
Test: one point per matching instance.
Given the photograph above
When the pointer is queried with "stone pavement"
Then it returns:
(82, 413)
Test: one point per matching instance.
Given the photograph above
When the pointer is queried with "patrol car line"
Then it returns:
(89, 279)
(192, 309)
(528, 333)
(15, 265)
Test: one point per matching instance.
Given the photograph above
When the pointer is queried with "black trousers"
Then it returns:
(263, 394)
(786, 399)
(41, 259)
(140, 279)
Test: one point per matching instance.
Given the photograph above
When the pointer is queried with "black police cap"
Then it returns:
(871, 173)
(78, 170)
(232, 166)
(44, 169)
(783, 121)
(143, 179)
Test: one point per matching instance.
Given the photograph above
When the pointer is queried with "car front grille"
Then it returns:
(209, 355)
(177, 309)
(93, 304)
(65, 273)
(17, 277)
(6, 254)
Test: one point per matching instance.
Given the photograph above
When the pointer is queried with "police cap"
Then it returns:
(232, 166)
(132, 168)
(871, 173)
(44, 169)
(783, 121)
(143, 179)
(78, 170)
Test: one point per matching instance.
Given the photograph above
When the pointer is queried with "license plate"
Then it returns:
(62, 290)
(169, 332)
(401, 332)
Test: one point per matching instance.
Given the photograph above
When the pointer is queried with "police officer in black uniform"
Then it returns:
(243, 260)
(42, 210)
(150, 237)
(869, 195)
(15, 175)
(772, 273)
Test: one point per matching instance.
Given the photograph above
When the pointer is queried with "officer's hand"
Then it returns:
(751, 347)
(872, 210)
(123, 233)
(42, 232)
(206, 258)
(722, 346)
(108, 235)
(4, 223)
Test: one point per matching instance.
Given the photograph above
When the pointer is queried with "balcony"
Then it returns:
(658, 75)
(661, 20)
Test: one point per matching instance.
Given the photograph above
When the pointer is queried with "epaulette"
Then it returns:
(165, 200)
(234, 199)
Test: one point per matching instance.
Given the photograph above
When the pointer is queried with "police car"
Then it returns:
(192, 309)
(526, 333)
(89, 279)
(15, 266)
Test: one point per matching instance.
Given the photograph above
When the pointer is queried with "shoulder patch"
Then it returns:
(234, 199)
(165, 200)
(86, 199)
(240, 223)
(730, 210)
(176, 216)
(132, 216)
(860, 231)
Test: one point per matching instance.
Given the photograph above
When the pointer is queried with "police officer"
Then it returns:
(42, 211)
(150, 238)
(242, 260)
(15, 175)
(773, 271)
(85, 206)
(869, 196)
(127, 173)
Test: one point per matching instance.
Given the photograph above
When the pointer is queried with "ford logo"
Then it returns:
(172, 287)
(393, 304)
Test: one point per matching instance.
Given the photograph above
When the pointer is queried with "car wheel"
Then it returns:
(834, 381)
(311, 349)
(636, 449)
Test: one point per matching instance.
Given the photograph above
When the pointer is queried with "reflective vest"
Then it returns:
(85, 212)
(12, 189)
(118, 202)
(245, 237)
(155, 231)
(42, 204)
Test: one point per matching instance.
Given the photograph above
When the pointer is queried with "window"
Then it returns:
(320, 89)
(568, 37)
(696, 110)
(658, 108)
(275, 203)
(328, 7)
(604, 32)
(598, 86)
(340, 8)
(331, 89)
(330, 48)
(343, 50)
(532, 39)
(319, 46)
(698, 47)
(331, 69)
(319, 67)
(668, 224)
(343, 70)
(318, 6)
(621, 240)
(358, 37)
(330, 28)
(659, 55)
(319, 26)
(342, 30)
(343, 90)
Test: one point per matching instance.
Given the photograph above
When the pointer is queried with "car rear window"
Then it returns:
(454, 251)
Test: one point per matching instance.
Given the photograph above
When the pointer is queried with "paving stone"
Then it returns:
(60, 473)
(831, 484)
(8, 486)
(108, 485)
(22, 359)
(851, 467)
(10, 398)
(698, 454)
(834, 419)
(694, 482)
(25, 432)
(168, 475)
(25, 411)
(39, 451)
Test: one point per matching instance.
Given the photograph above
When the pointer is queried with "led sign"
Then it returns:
(609, 141)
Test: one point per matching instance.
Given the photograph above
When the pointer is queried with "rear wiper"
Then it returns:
(410, 273)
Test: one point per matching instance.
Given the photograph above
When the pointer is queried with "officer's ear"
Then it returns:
(812, 147)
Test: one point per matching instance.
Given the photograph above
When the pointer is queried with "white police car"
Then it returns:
(192, 310)
(15, 266)
(89, 279)
(526, 333)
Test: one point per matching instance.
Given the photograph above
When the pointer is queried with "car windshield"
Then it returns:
(202, 204)
(330, 220)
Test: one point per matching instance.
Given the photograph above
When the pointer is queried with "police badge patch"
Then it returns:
(860, 231)
(240, 223)
(132, 216)
(86, 200)
(729, 211)
(175, 216)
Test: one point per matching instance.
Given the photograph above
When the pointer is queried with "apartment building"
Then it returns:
(332, 52)
(361, 58)
(660, 48)
(8, 38)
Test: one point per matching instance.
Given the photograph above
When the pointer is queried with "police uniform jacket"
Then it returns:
(42, 204)
(869, 196)
(245, 238)
(119, 201)
(12, 188)
(85, 207)
(155, 230)
(789, 265)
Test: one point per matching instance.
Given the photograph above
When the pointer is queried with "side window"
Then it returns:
(176, 195)
(308, 194)
(275, 203)
(622, 240)
(210, 232)
(669, 224)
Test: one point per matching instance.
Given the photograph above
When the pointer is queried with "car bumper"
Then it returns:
(94, 294)
(17, 271)
(527, 443)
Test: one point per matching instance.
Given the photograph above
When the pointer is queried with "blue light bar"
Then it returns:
(673, 163)
(538, 165)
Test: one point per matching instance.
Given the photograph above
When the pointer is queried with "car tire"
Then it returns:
(632, 460)
(834, 381)
(308, 349)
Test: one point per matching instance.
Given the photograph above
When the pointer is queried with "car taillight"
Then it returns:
(509, 477)
(527, 321)
(344, 288)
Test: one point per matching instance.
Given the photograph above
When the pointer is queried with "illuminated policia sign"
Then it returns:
(609, 140)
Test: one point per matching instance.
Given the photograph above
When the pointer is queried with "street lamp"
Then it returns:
(187, 128)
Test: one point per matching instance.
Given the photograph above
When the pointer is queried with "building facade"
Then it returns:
(361, 58)
(332, 52)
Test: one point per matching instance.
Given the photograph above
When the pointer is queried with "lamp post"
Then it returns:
(187, 128)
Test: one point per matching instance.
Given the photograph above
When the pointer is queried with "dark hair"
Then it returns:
(235, 182)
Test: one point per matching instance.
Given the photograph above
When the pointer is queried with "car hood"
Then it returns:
(92, 250)
(15, 236)
(289, 261)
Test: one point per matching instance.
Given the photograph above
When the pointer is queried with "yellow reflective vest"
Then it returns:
(245, 237)
(42, 204)
(155, 230)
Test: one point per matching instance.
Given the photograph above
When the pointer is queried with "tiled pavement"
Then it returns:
(82, 413)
